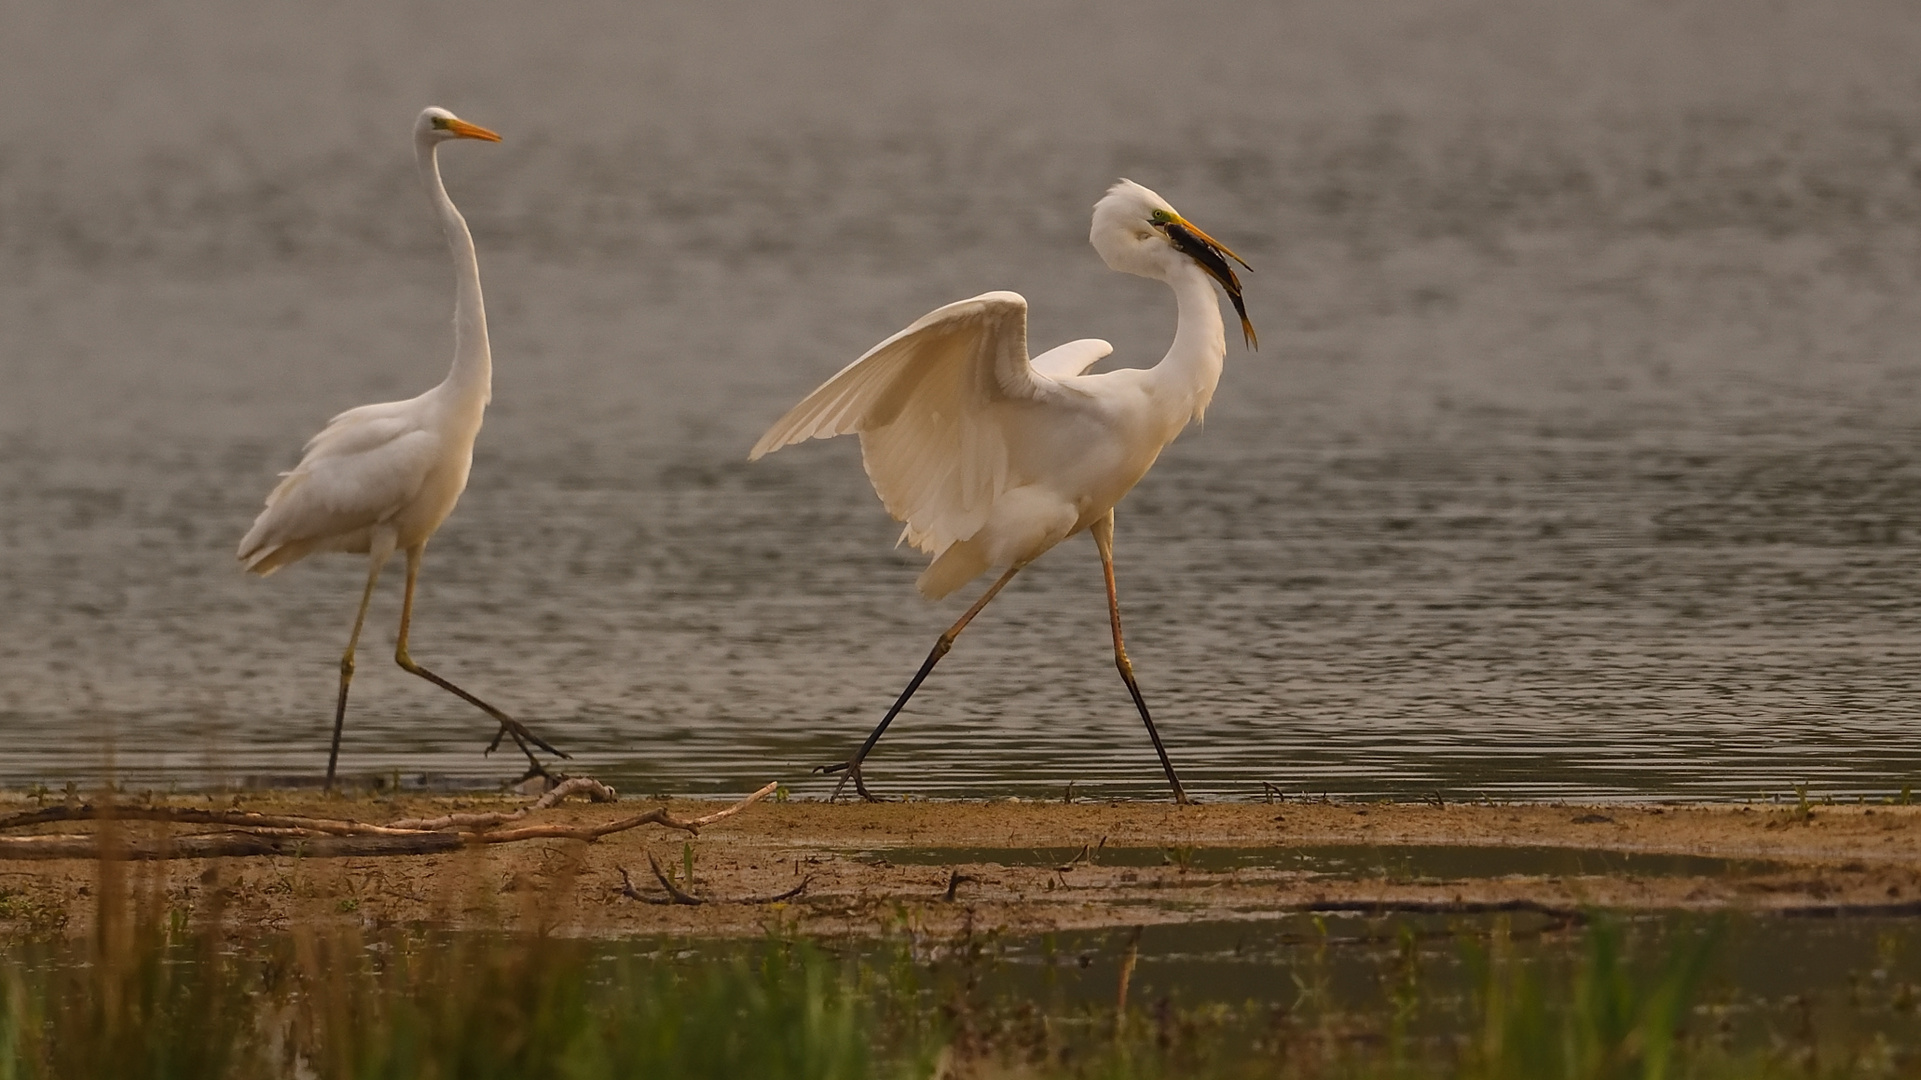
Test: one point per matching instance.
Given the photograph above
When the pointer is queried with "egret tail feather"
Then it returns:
(962, 562)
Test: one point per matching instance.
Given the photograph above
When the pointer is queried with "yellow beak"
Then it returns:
(474, 131)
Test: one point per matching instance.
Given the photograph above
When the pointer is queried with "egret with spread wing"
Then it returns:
(381, 478)
(991, 458)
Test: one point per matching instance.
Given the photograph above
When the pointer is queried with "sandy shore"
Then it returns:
(1024, 867)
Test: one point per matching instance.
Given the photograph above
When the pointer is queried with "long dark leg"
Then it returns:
(347, 664)
(945, 642)
(508, 725)
(1103, 531)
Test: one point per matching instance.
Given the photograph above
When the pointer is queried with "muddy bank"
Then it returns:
(1023, 867)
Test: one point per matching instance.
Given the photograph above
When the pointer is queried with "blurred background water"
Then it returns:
(1578, 460)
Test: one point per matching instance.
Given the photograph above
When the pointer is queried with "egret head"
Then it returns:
(1137, 232)
(437, 125)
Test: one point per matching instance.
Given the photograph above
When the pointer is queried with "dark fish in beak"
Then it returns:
(1212, 255)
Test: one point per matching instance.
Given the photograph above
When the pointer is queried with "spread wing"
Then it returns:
(928, 404)
(364, 467)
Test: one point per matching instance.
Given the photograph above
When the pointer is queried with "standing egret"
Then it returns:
(991, 458)
(381, 478)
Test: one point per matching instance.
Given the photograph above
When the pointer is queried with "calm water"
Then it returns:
(1579, 459)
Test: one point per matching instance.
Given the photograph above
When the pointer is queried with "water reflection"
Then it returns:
(1578, 462)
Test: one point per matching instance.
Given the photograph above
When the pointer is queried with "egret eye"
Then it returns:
(1160, 217)
(440, 122)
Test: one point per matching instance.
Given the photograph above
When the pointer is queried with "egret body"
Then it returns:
(992, 458)
(381, 478)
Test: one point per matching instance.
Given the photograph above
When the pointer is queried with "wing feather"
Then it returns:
(1071, 359)
(362, 427)
(929, 404)
(364, 467)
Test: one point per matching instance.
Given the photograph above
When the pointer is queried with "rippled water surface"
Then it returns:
(1579, 458)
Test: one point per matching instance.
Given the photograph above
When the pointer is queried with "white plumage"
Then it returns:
(939, 408)
(991, 458)
(381, 478)
(362, 472)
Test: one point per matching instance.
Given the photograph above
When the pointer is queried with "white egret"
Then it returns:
(381, 478)
(991, 458)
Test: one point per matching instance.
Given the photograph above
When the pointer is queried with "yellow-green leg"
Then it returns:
(347, 662)
(508, 725)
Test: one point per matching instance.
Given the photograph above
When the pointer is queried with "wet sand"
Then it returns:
(940, 867)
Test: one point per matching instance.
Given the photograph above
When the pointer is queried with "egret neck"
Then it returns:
(471, 380)
(1183, 382)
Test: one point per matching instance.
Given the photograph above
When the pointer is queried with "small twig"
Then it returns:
(954, 879)
(680, 897)
(1272, 793)
(627, 886)
(675, 896)
(1077, 859)
(788, 895)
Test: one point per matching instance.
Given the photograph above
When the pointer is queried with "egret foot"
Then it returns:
(536, 771)
(522, 736)
(852, 769)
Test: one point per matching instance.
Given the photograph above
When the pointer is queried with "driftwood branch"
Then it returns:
(657, 816)
(219, 845)
(310, 837)
(245, 819)
(573, 785)
(188, 815)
